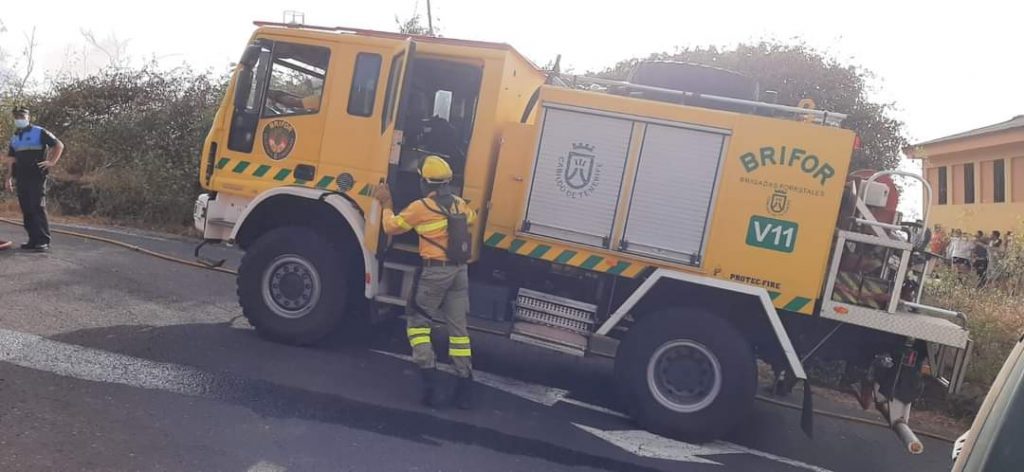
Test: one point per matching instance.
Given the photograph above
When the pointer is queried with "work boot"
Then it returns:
(463, 396)
(428, 387)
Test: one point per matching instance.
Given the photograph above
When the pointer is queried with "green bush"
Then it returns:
(132, 141)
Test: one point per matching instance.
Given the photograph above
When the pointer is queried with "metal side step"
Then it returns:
(553, 322)
(396, 283)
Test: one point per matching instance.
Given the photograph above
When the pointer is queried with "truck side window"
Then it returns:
(389, 95)
(364, 84)
(443, 105)
(296, 80)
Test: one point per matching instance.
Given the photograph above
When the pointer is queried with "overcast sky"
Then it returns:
(948, 66)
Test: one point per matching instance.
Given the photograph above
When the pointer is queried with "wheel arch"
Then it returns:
(333, 214)
(729, 300)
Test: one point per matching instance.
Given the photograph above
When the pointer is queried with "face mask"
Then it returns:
(20, 122)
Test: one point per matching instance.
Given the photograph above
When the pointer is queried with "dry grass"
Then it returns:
(994, 318)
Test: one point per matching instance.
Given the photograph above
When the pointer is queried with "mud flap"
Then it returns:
(807, 412)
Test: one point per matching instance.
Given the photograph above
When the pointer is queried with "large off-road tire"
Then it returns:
(293, 285)
(686, 373)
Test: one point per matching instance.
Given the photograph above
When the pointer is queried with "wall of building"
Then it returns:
(988, 217)
(1016, 173)
(984, 214)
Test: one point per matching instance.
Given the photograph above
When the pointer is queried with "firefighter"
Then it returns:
(441, 290)
(33, 151)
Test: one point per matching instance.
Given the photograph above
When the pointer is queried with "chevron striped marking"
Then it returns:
(282, 174)
(600, 263)
(564, 255)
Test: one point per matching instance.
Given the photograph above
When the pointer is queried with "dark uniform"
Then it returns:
(29, 146)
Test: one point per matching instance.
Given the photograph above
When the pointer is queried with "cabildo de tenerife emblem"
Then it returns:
(578, 173)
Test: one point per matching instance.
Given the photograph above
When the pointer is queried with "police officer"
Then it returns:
(442, 286)
(32, 152)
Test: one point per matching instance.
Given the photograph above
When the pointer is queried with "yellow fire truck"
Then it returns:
(679, 222)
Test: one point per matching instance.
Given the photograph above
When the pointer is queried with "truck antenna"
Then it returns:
(293, 17)
(430, 20)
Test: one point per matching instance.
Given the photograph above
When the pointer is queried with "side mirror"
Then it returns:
(242, 89)
(250, 56)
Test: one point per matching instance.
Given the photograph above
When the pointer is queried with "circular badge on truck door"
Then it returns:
(278, 139)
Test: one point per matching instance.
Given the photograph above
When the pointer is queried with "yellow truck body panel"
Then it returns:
(771, 171)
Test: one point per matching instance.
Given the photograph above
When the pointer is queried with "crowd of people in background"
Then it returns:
(967, 253)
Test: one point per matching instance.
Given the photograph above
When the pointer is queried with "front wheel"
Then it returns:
(686, 373)
(292, 285)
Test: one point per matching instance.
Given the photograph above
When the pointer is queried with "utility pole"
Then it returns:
(430, 20)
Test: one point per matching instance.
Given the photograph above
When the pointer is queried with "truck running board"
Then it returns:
(547, 337)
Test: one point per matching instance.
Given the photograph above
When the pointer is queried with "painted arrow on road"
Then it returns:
(645, 444)
(640, 443)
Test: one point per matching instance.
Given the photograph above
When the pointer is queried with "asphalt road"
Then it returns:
(114, 360)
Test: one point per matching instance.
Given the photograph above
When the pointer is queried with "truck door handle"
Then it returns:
(305, 172)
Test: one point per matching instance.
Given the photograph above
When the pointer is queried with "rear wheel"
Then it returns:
(293, 285)
(686, 373)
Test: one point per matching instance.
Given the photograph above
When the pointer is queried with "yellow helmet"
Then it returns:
(435, 170)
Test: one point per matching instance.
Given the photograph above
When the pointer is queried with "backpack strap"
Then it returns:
(440, 211)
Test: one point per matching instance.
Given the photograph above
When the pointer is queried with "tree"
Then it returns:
(414, 24)
(797, 72)
(15, 75)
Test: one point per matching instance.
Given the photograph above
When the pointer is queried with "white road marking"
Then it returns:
(35, 352)
(599, 409)
(264, 466)
(546, 396)
(784, 460)
(39, 353)
(645, 444)
(641, 443)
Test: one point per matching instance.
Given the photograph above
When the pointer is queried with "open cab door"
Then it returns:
(389, 144)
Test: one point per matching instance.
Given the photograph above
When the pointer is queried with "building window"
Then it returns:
(999, 180)
(943, 192)
(969, 183)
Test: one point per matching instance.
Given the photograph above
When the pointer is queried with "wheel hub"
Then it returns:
(291, 286)
(684, 376)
